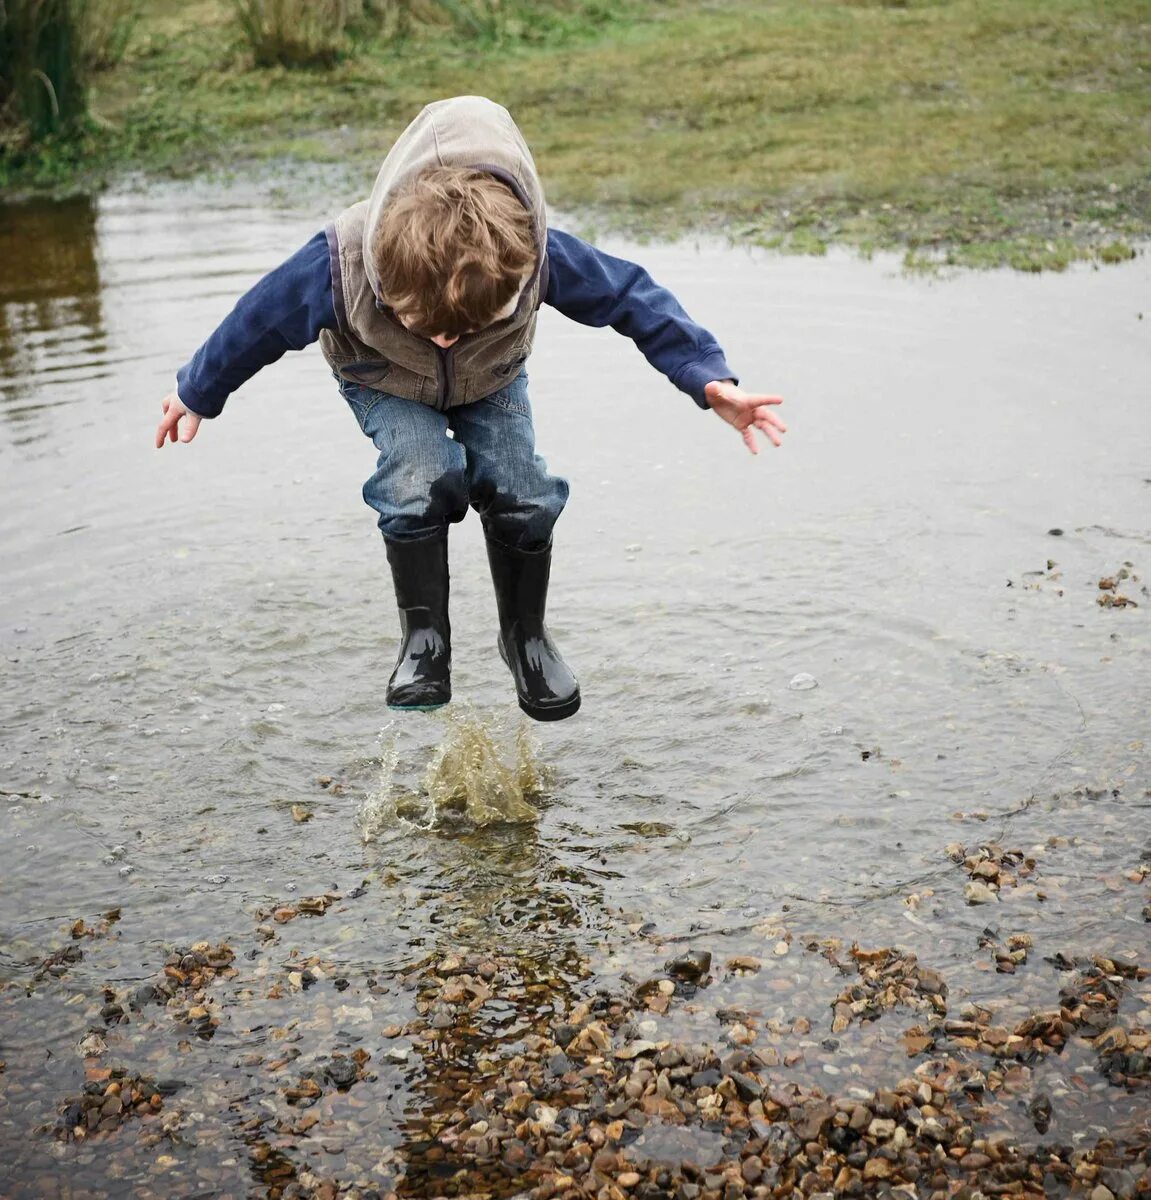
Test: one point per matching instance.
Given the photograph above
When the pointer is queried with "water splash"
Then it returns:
(377, 810)
(473, 776)
(470, 778)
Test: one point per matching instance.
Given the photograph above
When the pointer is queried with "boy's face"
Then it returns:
(445, 340)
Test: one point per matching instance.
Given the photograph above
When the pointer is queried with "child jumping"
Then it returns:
(424, 300)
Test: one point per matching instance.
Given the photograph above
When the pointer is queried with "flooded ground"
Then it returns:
(864, 720)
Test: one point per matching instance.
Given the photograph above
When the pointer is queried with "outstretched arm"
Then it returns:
(286, 310)
(597, 289)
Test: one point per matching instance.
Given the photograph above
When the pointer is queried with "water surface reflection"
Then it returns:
(51, 327)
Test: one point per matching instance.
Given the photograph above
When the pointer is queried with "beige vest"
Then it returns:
(370, 346)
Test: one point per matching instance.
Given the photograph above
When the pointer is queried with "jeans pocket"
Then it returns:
(514, 397)
(361, 400)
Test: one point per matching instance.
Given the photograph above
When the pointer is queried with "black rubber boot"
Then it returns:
(547, 689)
(422, 679)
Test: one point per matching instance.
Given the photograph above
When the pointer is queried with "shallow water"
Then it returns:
(196, 641)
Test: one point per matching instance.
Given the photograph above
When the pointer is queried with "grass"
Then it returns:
(971, 132)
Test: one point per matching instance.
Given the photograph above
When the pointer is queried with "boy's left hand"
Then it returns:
(170, 429)
(746, 411)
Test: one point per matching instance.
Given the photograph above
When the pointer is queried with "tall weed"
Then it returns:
(43, 77)
(48, 50)
(106, 27)
(297, 33)
(316, 33)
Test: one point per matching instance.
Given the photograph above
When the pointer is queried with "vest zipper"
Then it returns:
(446, 381)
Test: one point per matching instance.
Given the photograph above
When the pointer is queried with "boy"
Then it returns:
(424, 301)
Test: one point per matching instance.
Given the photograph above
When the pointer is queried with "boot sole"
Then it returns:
(540, 712)
(418, 707)
(555, 713)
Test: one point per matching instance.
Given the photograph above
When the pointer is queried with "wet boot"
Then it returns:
(422, 679)
(547, 689)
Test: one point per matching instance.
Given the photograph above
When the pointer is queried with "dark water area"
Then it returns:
(50, 318)
(830, 693)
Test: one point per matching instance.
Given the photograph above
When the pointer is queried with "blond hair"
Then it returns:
(452, 250)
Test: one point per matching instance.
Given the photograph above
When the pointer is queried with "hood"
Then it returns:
(465, 131)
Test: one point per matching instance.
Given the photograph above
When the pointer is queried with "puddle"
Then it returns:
(196, 644)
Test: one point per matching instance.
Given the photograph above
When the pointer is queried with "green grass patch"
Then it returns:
(971, 132)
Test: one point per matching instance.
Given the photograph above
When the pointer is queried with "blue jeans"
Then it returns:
(425, 480)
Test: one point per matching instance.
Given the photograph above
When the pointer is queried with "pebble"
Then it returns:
(690, 967)
(975, 892)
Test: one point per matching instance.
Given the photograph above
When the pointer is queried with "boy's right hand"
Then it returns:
(170, 429)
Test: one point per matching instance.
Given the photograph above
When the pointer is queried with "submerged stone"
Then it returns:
(690, 967)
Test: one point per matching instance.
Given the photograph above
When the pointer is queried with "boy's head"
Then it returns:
(453, 251)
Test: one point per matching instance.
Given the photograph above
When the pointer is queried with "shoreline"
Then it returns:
(1039, 239)
(791, 127)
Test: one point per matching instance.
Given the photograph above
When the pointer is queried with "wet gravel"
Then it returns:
(471, 1073)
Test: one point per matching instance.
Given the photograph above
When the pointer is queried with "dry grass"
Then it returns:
(295, 33)
(106, 27)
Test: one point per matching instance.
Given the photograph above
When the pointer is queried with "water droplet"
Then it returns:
(803, 682)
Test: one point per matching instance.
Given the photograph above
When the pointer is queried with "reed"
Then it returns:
(43, 77)
(105, 29)
(48, 50)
